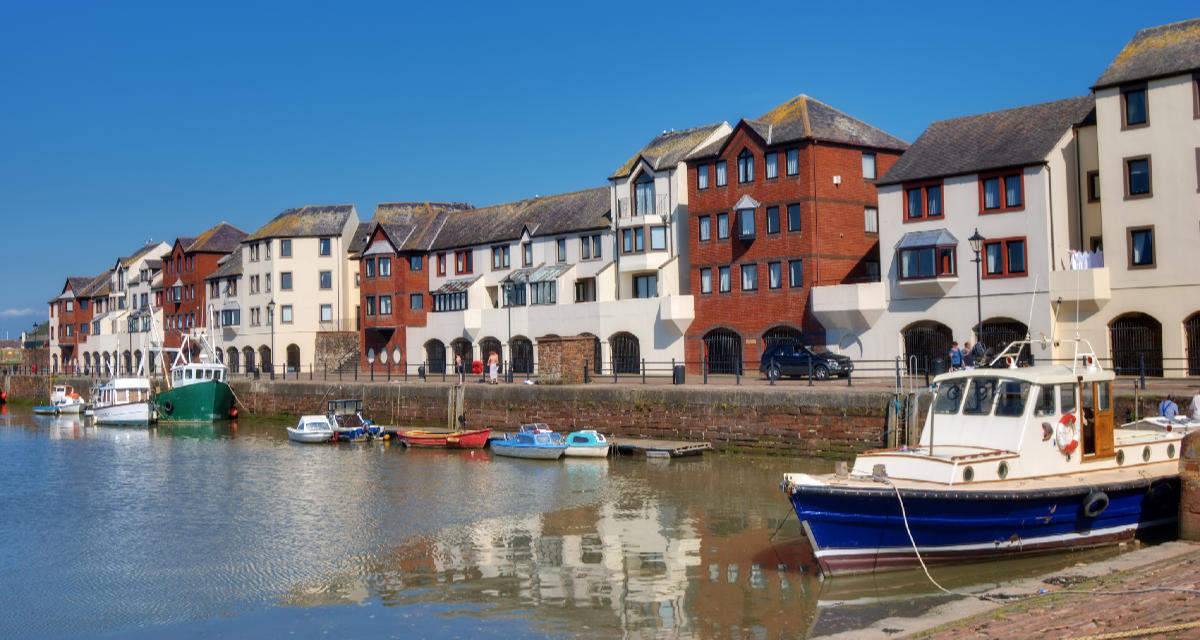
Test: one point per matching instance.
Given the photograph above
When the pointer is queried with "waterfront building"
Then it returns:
(295, 284)
(119, 333)
(185, 270)
(70, 316)
(780, 204)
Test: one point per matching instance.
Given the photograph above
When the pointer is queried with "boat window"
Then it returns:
(542, 438)
(1045, 402)
(1066, 398)
(578, 440)
(208, 374)
(1013, 394)
(188, 374)
(949, 396)
(178, 375)
(1103, 403)
(979, 396)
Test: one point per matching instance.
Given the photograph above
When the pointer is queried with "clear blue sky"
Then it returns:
(125, 121)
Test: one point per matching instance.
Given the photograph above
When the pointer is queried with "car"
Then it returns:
(798, 360)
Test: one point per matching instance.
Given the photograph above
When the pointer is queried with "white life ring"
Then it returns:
(1067, 433)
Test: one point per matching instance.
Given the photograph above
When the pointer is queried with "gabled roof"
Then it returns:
(1157, 52)
(1010, 138)
(75, 284)
(222, 238)
(667, 149)
(409, 226)
(228, 266)
(147, 248)
(803, 118)
(154, 264)
(303, 222)
(97, 286)
(544, 216)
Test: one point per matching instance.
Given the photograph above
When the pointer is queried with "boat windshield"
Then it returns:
(542, 438)
(980, 394)
(1013, 394)
(949, 396)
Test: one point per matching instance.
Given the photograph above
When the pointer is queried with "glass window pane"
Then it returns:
(705, 230)
(1066, 398)
(1135, 107)
(1139, 176)
(772, 165)
(749, 277)
(793, 213)
(991, 193)
(1143, 247)
(871, 219)
(721, 173)
(925, 263)
(933, 200)
(868, 166)
(658, 238)
(995, 258)
(907, 264)
(980, 394)
(775, 275)
(796, 273)
(722, 225)
(746, 222)
(1012, 397)
(949, 396)
(1016, 256)
(1012, 191)
(702, 177)
(1045, 402)
(706, 280)
(793, 161)
(772, 219)
(723, 279)
(914, 203)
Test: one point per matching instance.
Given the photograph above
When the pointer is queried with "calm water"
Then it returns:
(233, 531)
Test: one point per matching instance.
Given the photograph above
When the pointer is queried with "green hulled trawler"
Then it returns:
(197, 385)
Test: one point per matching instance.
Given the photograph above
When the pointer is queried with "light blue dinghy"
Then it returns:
(587, 443)
(533, 441)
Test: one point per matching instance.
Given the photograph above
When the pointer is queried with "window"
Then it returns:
(658, 238)
(772, 165)
(516, 295)
(772, 220)
(868, 166)
(795, 273)
(1093, 186)
(441, 264)
(702, 177)
(450, 301)
(723, 280)
(706, 280)
(285, 314)
(1137, 177)
(585, 290)
(645, 286)
(415, 263)
(585, 248)
(326, 313)
(500, 257)
(324, 246)
(560, 247)
(543, 292)
(385, 305)
(745, 166)
(774, 275)
(871, 219)
(1134, 110)
(722, 226)
(527, 254)
(1004, 258)
(266, 245)
(463, 262)
(793, 215)
(231, 317)
(385, 267)
(416, 301)
(639, 239)
(927, 262)
(285, 248)
(326, 279)
(633, 240)
(721, 173)
(923, 201)
(793, 162)
(749, 277)
(704, 233)
(285, 281)
(643, 191)
(597, 251)
(745, 224)
(1001, 191)
(370, 305)
(1141, 247)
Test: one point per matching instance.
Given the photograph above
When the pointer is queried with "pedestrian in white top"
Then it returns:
(1194, 411)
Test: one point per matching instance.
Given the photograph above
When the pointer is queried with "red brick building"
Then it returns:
(781, 204)
(185, 270)
(71, 320)
(393, 275)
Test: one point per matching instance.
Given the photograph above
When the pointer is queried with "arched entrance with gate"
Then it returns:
(926, 346)
(231, 359)
(462, 348)
(626, 353)
(782, 334)
(435, 356)
(522, 355)
(1136, 340)
(997, 333)
(248, 358)
(490, 345)
(723, 351)
(293, 358)
(1191, 343)
(597, 354)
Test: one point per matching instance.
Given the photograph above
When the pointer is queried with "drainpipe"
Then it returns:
(1050, 209)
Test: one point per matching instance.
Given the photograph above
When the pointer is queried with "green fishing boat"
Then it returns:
(196, 390)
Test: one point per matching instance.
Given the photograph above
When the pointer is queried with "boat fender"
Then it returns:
(1047, 431)
(232, 412)
(1095, 503)
(168, 406)
(1067, 433)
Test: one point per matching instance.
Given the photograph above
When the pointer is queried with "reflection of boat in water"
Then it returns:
(67, 428)
(1011, 461)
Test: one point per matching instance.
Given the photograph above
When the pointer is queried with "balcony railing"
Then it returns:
(627, 209)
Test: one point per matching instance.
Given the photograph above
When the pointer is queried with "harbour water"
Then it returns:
(230, 530)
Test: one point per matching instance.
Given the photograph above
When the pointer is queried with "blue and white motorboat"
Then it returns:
(312, 428)
(63, 400)
(587, 443)
(1011, 460)
(532, 441)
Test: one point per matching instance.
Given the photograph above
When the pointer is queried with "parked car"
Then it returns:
(797, 360)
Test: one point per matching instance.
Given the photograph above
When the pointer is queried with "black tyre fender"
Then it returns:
(1095, 503)
(168, 406)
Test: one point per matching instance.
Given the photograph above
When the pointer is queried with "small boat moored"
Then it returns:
(63, 400)
(311, 428)
(587, 443)
(474, 439)
(348, 421)
(535, 441)
(124, 401)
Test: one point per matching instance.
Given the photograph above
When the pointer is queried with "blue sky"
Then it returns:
(126, 121)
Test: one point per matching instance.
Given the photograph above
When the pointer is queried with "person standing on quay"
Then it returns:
(968, 356)
(458, 368)
(956, 362)
(493, 367)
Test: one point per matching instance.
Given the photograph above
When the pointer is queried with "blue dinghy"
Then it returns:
(532, 441)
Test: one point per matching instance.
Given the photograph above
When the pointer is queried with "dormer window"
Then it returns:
(745, 164)
(643, 191)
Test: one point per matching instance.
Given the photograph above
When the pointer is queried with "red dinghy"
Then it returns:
(446, 439)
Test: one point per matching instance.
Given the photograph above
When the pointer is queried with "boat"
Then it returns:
(349, 423)
(197, 390)
(312, 428)
(1011, 460)
(124, 400)
(532, 441)
(587, 443)
(63, 400)
(474, 439)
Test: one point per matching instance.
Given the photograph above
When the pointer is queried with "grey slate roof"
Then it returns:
(546, 216)
(929, 238)
(803, 118)
(222, 238)
(409, 226)
(1010, 138)
(1166, 50)
(229, 266)
(130, 259)
(456, 285)
(98, 286)
(667, 149)
(305, 222)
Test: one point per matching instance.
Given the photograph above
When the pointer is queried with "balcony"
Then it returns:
(626, 212)
(932, 286)
(1087, 288)
(677, 312)
(849, 306)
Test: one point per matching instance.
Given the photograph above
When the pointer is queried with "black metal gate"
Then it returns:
(435, 355)
(462, 348)
(597, 354)
(723, 351)
(1191, 336)
(926, 348)
(486, 347)
(1136, 343)
(782, 335)
(997, 334)
(626, 353)
(522, 355)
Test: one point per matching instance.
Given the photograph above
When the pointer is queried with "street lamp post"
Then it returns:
(976, 241)
(271, 320)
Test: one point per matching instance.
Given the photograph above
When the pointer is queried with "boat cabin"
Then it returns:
(184, 375)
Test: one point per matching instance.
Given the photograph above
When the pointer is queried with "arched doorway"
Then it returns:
(264, 359)
(461, 347)
(126, 362)
(231, 359)
(435, 356)
(248, 358)
(597, 354)
(489, 345)
(926, 347)
(87, 362)
(137, 359)
(55, 362)
(997, 333)
(626, 353)
(107, 363)
(522, 355)
(1136, 345)
(1191, 342)
(723, 351)
(293, 358)
(782, 335)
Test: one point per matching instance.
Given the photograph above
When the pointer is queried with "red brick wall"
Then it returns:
(400, 285)
(832, 240)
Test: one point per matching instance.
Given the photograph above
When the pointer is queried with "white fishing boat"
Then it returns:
(312, 428)
(124, 401)
(63, 400)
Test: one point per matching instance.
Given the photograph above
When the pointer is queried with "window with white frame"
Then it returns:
(285, 314)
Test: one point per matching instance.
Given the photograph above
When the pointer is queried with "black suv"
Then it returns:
(796, 360)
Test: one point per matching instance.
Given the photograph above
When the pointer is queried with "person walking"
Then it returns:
(458, 368)
(956, 360)
(493, 367)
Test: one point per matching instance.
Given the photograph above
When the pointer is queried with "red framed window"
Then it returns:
(923, 201)
(1005, 258)
(920, 263)
(1001, 191)
(463, 262)
(441, 264)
